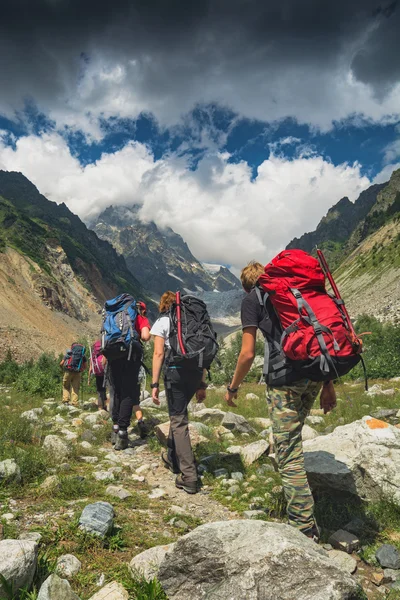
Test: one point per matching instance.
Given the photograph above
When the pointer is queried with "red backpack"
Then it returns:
(96, 359)
(318, 341)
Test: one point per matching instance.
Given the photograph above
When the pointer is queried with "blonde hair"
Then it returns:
(250, 274)
(166, 300)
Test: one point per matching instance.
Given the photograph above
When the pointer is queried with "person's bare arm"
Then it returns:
(158, 359)
(244, 363)
(145, 334)
(201, 393)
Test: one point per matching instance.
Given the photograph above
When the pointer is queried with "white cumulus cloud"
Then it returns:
(224, 214)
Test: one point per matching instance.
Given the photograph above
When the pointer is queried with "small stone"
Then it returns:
(157, 493)
(49, 484)
(253, 514)
(8, 517)
(86, 445)
(343, 540)
(9, 471)
(237, 475)
(391, 575)
(88, 436)
(97, 518)
(103, 476)
(143, 469)
(388, 556)
(308, 433)
(179, 524)
(118, 492)
(91, 460)
(314, 420)
(65, 467)
(377, 578)
(252, 397)
(77, 422)
(33, 536)
(59, 420)
(328, 547)
(55, 588)
(56, 448)
(138, 478)
(112, 591)
(68, 566)
(235, 489)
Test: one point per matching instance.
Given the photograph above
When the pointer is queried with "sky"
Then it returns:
(238, 123)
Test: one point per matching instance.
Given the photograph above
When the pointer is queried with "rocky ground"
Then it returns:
(79, 520)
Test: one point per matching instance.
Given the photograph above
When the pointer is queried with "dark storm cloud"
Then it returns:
(73, 57)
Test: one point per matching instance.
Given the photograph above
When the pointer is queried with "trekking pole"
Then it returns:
(90, 363)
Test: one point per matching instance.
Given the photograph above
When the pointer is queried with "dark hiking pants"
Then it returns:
(180, 386)
(124, 375)
(101, 391)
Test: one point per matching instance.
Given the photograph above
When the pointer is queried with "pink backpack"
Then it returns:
(96, 362)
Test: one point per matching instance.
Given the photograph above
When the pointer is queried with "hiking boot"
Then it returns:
(142, 429)
(168, 464)
(189, 488)
(122, 441)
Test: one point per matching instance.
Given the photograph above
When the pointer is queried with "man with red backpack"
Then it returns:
(309, 341)
(73, 363)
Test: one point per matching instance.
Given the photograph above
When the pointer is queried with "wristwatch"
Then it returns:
(154, 385)
(232, 390)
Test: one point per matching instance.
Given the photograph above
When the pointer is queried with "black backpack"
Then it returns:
(192, 337)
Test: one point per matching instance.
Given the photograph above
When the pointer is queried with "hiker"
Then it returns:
(97, 368)
(184, 376)
(73, 364)
(290, 391)
(125, 327)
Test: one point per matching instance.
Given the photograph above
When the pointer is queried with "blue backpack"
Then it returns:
(119, 338)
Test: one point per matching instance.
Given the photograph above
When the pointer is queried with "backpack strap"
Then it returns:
(302, 304)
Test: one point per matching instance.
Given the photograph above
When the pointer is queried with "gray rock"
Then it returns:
(236, 423)
(88, 436)
(118, 492)
(388, 557)
(252, 452)
(104, 475)
(147, 563)
(148, 403)
(57, 449)
(55, 588)
(157, 493)
(356, 526)
(97, 518)
(249, 559)
(212, 416)
(33, 536)
(343, 540)
(112, 591)
(68, 566)
(32, 415)
(18, 562)
(235, 489)
(90, 405)
(385, 413)
(362, 458)
(253, 514)
(308, 433)
(237, 475)
(252, 397)
(91, 460)
(391, 575)
(344, 561)
(9, 471)
(311, 420)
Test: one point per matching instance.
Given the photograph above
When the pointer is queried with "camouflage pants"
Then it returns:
(288, 407)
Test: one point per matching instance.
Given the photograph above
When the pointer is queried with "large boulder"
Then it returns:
(362, 458)
(162, 432)
(253, 560)
(55, 588)
(18, 562)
